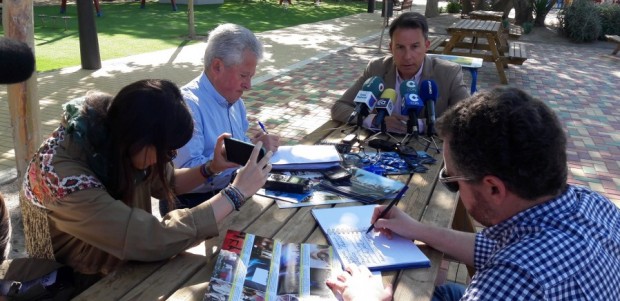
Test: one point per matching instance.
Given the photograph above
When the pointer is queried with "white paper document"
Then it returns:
(296, 157)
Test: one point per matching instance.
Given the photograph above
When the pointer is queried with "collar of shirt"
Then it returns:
(563, 204)
(399, 81)
(208, 87)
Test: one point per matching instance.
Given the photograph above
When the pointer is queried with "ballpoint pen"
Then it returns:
(262, 126)
(385, 211)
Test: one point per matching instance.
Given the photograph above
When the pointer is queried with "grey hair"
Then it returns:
(228, 42)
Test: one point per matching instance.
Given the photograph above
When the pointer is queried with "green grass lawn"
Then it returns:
(125, 29)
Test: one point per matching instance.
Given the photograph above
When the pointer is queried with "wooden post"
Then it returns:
(23, 105)
(192, 26)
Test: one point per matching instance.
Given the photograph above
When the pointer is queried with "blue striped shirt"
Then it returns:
(213, 116)
(565, 249)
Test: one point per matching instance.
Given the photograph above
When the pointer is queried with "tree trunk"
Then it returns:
(466, 7)
(523, 11)
(23, 104)
(503, 6)
(190, 16)
(432, 8)
(542, 15)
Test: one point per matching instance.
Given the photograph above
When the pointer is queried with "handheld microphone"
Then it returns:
(16, 61)
(364, 103)
(408, 87)
(429, 94)
(411, 106)
(366, 98)
(384, 108)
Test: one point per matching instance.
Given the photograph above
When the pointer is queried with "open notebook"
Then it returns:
(345, 228)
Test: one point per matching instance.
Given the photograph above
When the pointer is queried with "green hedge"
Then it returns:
(610, 19)
(585, 21)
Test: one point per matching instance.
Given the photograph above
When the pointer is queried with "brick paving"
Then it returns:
(581, 88)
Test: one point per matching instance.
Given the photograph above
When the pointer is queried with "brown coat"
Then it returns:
(447, 75)
(90, 230)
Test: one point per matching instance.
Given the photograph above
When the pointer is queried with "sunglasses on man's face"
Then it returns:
(451, 182)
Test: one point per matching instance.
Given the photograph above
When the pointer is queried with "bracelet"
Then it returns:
(235, 196)
(228, 198)
(205, 170)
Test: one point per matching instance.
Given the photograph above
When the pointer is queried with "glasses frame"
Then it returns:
(451, 183)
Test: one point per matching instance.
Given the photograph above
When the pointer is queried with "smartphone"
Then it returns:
(239, 151)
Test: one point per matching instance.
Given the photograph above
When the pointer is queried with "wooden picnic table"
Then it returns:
(467, 34)
(486, 15)
(186, 276)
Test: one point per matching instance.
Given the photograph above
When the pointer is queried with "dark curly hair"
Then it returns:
(511, 135)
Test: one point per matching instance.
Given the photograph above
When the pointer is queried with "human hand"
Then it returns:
(394, 221)
(254, 174)
(270, 141)
(396, 124)
(219, 162)
(356, 283)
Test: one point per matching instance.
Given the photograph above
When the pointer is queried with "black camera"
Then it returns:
(286, 183)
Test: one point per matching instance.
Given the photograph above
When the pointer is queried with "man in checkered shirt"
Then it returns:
(544, 239)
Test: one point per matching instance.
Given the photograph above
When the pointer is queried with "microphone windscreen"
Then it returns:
(16, 61)
(375, 85)
(408, 87)
(428, 90)
(411, 101)
(389, 93)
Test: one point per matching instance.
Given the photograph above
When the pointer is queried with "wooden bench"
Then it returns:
(52, 19)
(436, 43)
(515, 31)
(517, 53)
(405, 5)
(614, 39)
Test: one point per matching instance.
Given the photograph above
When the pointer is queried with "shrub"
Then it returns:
(453, 7)
(610, 19)
(505, 23)
(527, 27)
(581, 22)
(441, 10)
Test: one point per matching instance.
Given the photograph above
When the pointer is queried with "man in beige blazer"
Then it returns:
(407, 61)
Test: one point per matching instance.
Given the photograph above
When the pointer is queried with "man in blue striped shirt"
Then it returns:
(214, 98)
(505, 152)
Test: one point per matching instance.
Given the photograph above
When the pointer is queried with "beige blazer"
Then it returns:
(447, 75)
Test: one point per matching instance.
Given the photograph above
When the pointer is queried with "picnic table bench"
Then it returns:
(614, 39)
(465, 40)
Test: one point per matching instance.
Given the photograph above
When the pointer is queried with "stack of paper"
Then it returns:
(305, 157)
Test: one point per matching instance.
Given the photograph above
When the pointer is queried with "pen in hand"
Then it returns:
(385, 211)
(262, 126)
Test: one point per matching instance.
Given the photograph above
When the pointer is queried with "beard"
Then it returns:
(480, 210)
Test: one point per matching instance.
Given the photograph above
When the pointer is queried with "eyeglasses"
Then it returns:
(451, 182)
(171, 154)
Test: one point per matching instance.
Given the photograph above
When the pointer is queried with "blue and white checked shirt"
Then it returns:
(213, 116)
(565, 249)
